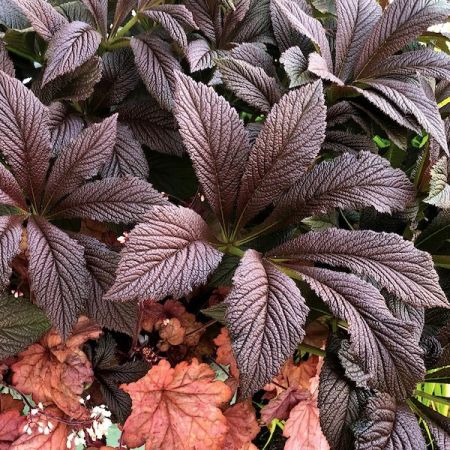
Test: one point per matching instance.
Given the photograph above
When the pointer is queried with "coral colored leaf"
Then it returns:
(177, 408)
(82, 159)
(249, 83)
(101, 264)
(387, 425)
(288, 143)
(58, 273)
(45, 20)
(24, 135)
(63, 124)
(265, 316)
(168, 254)
(70, 48)
(395, 264)
(6, 65)
(99, 10)
(116, 200)
(382, 346)
(55, 440)
(303, 428)
(157, 67)
(281, 406)
(348, 181)
(10, 235)
(216, 141)
(242, 425)
(57, 371)
(21, 324)
(400, 23)
(151, 125)
(225, 352)
(12, 427)
(127, 158)
(356, 20)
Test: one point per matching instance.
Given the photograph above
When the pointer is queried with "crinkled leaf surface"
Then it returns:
(63, 124)
(116, 200)
(10, 235)
(265, 316)
(394, 263)
(348, 181)
(288, 143)
(58, 273)
(382, 345)
(99, 10)
(24, 135)
(216, 141)
(167, 254)
(177, 407)
(72, 46)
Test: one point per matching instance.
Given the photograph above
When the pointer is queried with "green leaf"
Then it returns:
(381, 143)
(224, 273)
(9, 210)
(216, 312)
(21, 324)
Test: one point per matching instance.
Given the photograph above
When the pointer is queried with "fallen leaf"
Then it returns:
(303, 428)
(177, 408)
(225, 354)
(56, 371)
(242, 426)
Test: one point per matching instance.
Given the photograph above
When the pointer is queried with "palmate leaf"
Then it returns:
(10, 192)
(265, 316)
(24, 135)
(45, 20)
(82, 159)
(63, 124)
(395, 264)
(157, 67)
(102, 264)
(256, 54)
(402, 22)
(382, 346)
(249, 83)
(216, 141)
(167, 254)
(205, 15)
(348, 181)
(116, 200)
(288, 143)
(151, 125)
(256, 24)
(388, 425)
(21, 324)
(357, 19)
(10, 235)
(72, 46)
(58, 273)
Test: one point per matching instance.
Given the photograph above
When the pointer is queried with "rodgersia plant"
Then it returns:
(302, 152)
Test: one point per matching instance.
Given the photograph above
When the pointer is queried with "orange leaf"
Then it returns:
(242, 425)
(12, 424)
(303, 428)
(225, 354)
(56, 371)
(177, 408)
(171, 333)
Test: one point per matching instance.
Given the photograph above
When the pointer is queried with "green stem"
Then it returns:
(442, 261)
(423, 394)
(255, 234)
(127, 27)
(311, 350)
(31, 58)
(232, 250)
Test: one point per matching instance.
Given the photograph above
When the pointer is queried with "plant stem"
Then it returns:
(311, 350)
(127, 27)
(423, 394)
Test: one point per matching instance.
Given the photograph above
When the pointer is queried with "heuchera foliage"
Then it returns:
(280, 166)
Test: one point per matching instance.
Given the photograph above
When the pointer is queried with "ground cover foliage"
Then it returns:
(224, 224)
